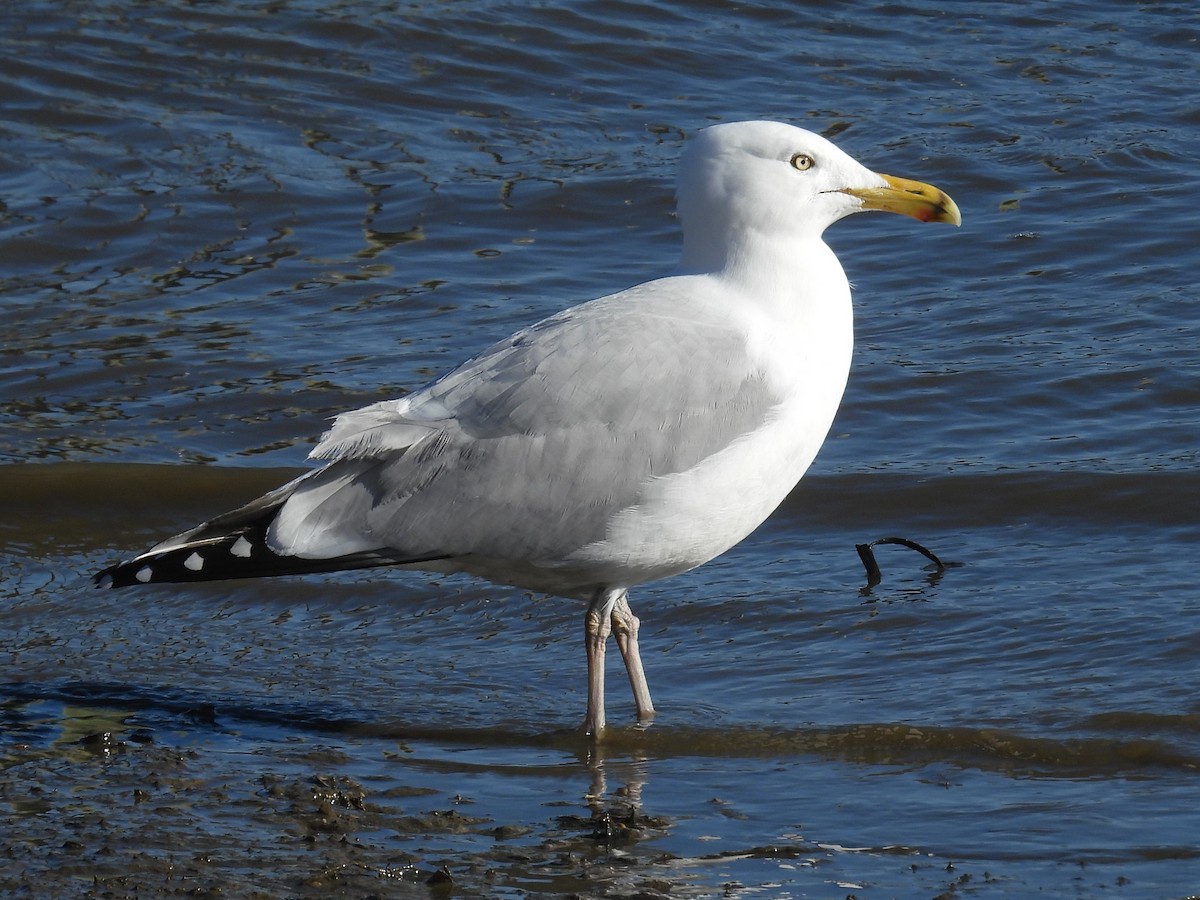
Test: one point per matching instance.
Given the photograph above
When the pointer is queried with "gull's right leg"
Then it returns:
(597, 625)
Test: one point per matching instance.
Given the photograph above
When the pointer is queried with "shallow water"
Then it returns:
(220, 226)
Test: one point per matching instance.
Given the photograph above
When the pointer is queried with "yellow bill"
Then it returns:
(923, 202)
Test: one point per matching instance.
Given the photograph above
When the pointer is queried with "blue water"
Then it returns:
(221, 225)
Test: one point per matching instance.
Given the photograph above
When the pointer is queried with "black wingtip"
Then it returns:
(234, 546)
(127, 574)
(242, 554)
(145, 569)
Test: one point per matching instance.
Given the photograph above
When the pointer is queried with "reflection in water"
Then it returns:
(631, 772)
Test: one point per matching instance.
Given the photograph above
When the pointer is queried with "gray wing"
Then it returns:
(527, 451)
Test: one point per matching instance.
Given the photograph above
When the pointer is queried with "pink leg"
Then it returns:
(597, 625)
(625, 627)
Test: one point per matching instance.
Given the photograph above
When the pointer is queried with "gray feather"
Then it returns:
(591, 403)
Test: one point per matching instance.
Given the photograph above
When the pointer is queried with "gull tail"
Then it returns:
(234, 545)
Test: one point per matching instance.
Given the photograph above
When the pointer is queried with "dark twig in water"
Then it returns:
(867, 555)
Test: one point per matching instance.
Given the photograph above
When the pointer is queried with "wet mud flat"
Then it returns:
(99, 802)
(114, 807)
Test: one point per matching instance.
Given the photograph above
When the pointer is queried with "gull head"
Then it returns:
(746, 185)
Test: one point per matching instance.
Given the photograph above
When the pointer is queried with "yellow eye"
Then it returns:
(803, 162)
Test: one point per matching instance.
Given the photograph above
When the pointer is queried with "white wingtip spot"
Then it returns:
(143, 574)
(195, 562)
(241, 547)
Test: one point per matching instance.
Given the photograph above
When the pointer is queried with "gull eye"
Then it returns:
(802, 162)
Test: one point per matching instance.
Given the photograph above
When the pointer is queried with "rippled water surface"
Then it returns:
(222, 223)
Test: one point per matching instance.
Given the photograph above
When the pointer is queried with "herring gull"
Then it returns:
(629, 438)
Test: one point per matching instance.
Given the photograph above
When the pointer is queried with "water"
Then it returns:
(222, 225)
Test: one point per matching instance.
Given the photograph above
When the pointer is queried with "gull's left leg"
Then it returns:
(625, 627)
(597, 625)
